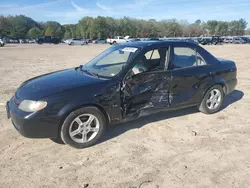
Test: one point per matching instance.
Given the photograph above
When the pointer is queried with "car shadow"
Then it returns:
(233, 97)
(118, 129)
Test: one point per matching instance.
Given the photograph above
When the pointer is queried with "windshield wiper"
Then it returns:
(89, 72)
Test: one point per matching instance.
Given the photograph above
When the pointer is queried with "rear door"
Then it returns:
(147, 83)
(189, 71)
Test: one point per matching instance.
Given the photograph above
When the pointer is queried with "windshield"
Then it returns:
(112, 61)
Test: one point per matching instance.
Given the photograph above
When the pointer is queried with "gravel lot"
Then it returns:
(167, 150)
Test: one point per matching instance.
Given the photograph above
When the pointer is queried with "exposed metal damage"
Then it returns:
(141, 96)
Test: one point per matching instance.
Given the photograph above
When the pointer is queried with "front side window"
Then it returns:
(186, 57)
(112, 61)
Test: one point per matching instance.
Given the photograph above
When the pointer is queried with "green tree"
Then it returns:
(197, 22)
(237, 27)
(247, 32)
(34, 33)
(20, 25)
(211, 26)
(221, 29)
(5, 27)
(54, 29)
(70, 31)
(101, 27)
(49, 32)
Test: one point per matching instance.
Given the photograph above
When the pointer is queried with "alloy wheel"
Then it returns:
(214, 99)
(84, 128)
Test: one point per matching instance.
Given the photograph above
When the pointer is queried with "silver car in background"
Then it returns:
(228, 40)
(76, 41)
(238, 40)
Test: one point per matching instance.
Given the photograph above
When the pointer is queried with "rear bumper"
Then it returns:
(231, 85)
(31, 126)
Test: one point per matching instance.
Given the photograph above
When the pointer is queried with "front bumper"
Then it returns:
(32, 125)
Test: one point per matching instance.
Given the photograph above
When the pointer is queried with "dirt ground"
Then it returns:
(168, 150)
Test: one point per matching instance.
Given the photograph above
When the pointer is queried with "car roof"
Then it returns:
(156, 43)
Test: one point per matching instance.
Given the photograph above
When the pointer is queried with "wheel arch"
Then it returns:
(221, 82)
(71, 109)
(218, 81)
(99, 107)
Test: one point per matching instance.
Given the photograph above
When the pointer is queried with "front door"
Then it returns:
(147, 84)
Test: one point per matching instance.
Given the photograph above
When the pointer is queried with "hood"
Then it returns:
(52, 83)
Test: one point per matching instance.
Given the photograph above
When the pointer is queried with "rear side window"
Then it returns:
(187, 57)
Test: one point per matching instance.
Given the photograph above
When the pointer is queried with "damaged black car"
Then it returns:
(123, 83)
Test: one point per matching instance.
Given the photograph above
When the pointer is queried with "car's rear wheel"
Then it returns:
(83, 127)
(213, 100)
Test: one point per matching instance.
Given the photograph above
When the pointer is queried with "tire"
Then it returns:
(204, 106)
(114, 43)
(72, 43)
(71, 125)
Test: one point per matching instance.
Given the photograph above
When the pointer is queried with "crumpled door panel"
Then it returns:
(146, 90)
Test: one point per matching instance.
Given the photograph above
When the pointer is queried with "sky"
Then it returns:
(70, 11)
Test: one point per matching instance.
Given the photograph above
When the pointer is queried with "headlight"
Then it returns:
(32, 106)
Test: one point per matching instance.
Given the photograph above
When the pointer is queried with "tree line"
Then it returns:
(103, 27)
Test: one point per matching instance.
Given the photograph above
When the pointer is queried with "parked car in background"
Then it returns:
(228, 40)
(14, 41)
(48, 39)
(2, 43)
(216, 40)
(238, 40)
(100, 41)
(125, 82)
(90, 40)
(76, 41)
(246, 39)
(118, 40)
(205, 40)
(31, 41)
(22, 41)
(134, 40)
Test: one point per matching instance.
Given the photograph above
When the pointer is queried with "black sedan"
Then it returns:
(123, 83)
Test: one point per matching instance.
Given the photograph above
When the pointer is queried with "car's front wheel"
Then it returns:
(83, 127)
(213, 100)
